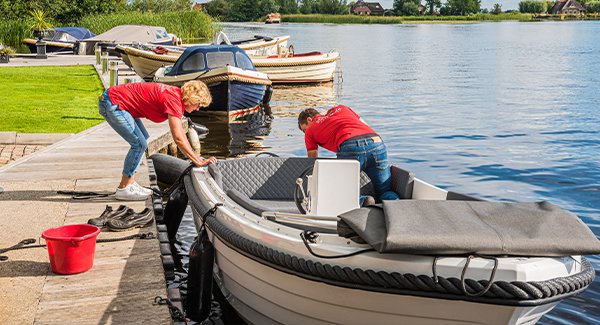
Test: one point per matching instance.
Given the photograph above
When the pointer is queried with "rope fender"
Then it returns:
(514, 293)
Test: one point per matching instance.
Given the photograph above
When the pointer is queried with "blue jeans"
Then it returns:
(129, 128)
(372, 157)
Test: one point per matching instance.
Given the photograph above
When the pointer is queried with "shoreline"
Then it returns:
(387, 20)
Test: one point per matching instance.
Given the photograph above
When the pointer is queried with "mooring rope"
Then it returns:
(26, 243)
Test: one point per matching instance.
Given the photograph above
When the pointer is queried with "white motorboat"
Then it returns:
(146, 59)
(277, 265)
(312, 67)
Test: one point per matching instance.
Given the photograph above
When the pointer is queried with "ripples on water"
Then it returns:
(504, 111)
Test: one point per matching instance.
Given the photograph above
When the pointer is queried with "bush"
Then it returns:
(191, 24)
(593, 6)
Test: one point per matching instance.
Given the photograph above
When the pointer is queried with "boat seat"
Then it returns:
(273, 178)
(259, 206)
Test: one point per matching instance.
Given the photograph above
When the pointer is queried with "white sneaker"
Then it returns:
(142, 189)
(130, 193)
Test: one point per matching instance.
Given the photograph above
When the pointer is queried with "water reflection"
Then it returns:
(231, 140)
(290, 100)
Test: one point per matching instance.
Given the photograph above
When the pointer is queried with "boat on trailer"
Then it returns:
(60, 39)
(277, 265)
(237, 89)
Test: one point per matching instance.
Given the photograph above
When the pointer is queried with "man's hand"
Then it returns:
(313, 153)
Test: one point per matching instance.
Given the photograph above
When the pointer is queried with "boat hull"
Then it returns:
(51, 46)
(270, 277)
(313, 67)
(233, 100)
(264, 295)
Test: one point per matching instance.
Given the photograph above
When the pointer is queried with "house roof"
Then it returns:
(566, 4)
(373, 6)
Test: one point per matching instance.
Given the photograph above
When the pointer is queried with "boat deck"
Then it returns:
(127, 275)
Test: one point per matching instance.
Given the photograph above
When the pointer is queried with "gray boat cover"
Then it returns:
(125, 34)
(471, 227)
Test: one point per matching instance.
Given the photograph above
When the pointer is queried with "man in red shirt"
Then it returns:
(123, 106)
(342, 131)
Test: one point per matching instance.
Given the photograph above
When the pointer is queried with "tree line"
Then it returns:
(71, 11)
(541, 6)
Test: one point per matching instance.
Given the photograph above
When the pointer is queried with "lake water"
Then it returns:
(504, 111)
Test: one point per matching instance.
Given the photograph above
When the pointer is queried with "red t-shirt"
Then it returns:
(330, 130)
(154, 101)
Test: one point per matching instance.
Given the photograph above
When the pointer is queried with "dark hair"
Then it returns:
(305, 114)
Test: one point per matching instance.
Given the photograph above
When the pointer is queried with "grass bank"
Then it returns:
(49, 99)
(353, 19)
(191, 24)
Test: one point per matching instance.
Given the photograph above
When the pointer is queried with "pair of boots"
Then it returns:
(122, 219)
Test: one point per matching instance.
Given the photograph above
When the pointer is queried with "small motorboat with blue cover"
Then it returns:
(292, 246)
(236, 87)
(60, 39)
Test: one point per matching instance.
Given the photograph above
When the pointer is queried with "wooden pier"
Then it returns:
(127, 275)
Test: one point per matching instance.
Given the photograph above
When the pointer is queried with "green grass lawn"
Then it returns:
(49, 99)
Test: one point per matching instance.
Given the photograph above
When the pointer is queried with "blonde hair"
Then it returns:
(195, 92)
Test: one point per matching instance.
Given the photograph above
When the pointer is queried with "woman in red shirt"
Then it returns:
(344, 132)
(123, 106)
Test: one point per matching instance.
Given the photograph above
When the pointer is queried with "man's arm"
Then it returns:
(313, 153)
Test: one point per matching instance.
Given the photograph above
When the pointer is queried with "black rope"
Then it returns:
(26, 243)
(490, 282)
(173, 186)
(176, 313)
(209, 213)
(82, 195)
(311, 236)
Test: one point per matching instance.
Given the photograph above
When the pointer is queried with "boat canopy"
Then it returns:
(78, 33)
(124, 34)
(207, 57)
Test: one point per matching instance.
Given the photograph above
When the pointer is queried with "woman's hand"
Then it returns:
(206, 162)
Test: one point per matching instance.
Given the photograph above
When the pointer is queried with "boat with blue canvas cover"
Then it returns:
(236, 87)
(60, 39)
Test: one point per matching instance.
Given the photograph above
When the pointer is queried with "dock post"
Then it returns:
(113, 72)
(194, 140)
(104, 63)
(97, 51)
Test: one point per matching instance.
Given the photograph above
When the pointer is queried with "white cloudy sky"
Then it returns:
(506, 4)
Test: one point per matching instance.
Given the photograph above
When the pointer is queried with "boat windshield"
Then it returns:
(219, 59)
(194, 62)
(243, 61)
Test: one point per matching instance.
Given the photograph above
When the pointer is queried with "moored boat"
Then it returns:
(312, 67)
(273, 18)
(60, 39)
(147, 58)
(277, 265)
(125, 35)
(236, 87)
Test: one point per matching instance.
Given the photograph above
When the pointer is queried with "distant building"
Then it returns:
(367, 8)
(567, 7)
(199, 6)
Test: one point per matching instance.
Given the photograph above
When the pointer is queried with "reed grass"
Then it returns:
(13, 31)
(185, 24)
(353, 19)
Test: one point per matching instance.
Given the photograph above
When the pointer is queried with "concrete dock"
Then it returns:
(127, 275)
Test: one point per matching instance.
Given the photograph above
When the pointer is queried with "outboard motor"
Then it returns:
(200, 278)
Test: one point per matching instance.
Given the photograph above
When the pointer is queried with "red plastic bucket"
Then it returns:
(71, 248)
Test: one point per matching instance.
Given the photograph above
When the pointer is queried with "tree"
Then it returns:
(593, 6)
(406, 7)
(497, 9)
(288, 6)
(462, 7)
(533, 7)
(432, 4)
(309, 6)
(219, 9)
(332, 7)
